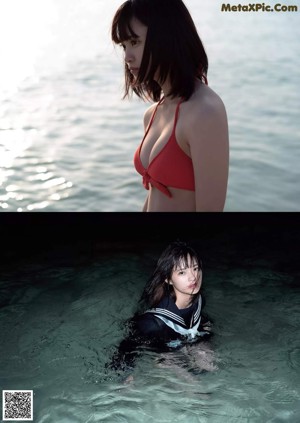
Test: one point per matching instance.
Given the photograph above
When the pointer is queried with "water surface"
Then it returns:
(67, 139)
(63, 311)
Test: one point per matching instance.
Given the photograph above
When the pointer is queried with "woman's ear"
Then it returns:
(168, 282)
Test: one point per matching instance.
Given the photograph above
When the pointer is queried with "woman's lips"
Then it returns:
(134, 70)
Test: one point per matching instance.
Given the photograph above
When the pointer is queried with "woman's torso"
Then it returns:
(167, 322)
(200, 141)
(165, 145)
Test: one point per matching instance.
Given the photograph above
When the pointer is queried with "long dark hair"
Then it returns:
(173, 47)
(156, 287)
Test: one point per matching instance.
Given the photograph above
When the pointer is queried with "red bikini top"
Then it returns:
(171, 167)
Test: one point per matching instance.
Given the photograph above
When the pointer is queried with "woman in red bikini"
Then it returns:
(184, 156)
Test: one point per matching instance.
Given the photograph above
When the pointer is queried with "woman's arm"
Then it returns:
(145, 331)
(145, 208)
(209, 147)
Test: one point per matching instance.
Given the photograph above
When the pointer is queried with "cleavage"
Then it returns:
(157, 138)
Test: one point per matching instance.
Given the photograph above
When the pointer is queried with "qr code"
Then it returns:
(17, 405)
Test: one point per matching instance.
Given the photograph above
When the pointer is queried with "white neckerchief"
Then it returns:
(191, 333)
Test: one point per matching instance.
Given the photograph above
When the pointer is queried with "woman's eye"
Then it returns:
(132, 42)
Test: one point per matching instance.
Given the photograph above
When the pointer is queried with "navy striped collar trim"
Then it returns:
(175, 317)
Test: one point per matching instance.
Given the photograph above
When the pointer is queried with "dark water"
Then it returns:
(65, 297)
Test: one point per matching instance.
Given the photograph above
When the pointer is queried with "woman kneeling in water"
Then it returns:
(173, 317)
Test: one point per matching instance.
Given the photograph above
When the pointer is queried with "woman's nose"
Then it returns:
(128, 56)
(192, 274)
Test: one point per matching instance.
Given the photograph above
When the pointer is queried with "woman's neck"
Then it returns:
(182, 302)
(166, 89)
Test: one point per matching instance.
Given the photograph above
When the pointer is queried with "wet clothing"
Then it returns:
(169, 322)
(172, 167)
(161, 329)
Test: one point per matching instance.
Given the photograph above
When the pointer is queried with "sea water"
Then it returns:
(63, 315)
(67, 138)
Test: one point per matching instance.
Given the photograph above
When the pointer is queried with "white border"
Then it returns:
(17, 390)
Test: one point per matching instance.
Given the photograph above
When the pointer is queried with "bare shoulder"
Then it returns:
(205, 106)
(205, 123)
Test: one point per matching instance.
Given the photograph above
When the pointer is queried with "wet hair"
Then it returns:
(174, 255)
(172, 48)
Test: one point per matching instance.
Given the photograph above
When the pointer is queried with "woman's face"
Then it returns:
(186, 279)
(134, 47)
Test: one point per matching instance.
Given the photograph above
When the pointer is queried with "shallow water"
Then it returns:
(67, 139)
(63, 312)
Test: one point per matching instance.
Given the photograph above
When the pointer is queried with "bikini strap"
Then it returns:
(176, 114)
(153, 115)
